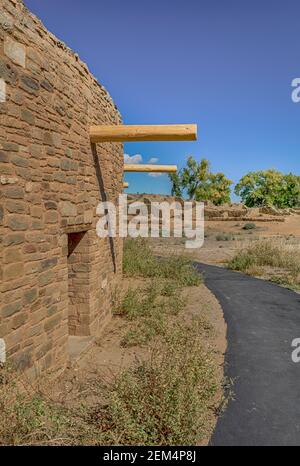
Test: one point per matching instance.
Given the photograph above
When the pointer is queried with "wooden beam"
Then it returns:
(127, 133)
(125, 184)
(136, 167)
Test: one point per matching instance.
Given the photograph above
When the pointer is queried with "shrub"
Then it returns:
(224, 237)
(267, 253)
(139, 261)
(165, 400)
(249, 226)
(148, 309)
(29, 418)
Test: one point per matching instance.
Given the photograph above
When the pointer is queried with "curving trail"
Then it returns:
(262, 320)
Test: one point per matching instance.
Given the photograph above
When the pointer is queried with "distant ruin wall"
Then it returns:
(225, 212)
(57, 275)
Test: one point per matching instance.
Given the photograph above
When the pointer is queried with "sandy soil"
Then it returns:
(219, 252)
(107, 357)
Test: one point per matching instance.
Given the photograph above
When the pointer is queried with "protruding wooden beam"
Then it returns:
(136, 167)
(125, 184)
(127, 133)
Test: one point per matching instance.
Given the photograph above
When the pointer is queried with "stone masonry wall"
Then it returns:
(56, 274)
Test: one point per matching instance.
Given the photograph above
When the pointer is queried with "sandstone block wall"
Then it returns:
(56, 274)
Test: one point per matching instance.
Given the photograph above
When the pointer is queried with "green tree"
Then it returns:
(200, 184)
(176, 189)
(269, 188)
(219, 188)
(290, 191)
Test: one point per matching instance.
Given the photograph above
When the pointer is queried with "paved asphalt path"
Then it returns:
(262, 320)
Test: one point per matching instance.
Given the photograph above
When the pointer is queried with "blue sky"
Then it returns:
(225, 65)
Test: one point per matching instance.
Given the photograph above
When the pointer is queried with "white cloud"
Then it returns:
(137, 158)
(153, 160)
(155, 175)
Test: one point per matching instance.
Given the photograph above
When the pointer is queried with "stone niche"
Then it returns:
(57, 274)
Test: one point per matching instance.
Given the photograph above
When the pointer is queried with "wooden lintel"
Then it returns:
(136, 167)
(128, 133)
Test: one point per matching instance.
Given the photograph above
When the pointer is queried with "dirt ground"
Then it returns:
(219, 251)
(108, 357)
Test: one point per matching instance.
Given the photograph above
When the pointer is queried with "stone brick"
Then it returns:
(35, 330)
(32, 267)
(67, 164)
(81, 267)
(51, 323)
(19, 161)
(8, 180)
(13, 192)
(51, 216)
(8, 73)
(46, 278)
(36, 211)
(13, 238)
(69, 152)
(27, 116)
(48, 263)
(10, 309)
(49, 205)
(29, 248)
(6, 22)
(15, 51)
(88, 216)
(19, 320)
(48, 139)
(67, 209)
(29, 84)
(10, 146)
(13, 271)
(4, 157)
(30, 295)
(12, 255)
(15, 206)
(43, 349)
(36, 151)
(17, 98)
(52, 310)
(46, 85)
(18, 222)
(57, 140)
(37, 224)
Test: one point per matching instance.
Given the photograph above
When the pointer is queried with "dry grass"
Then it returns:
(30, 417)
(165, 399)
(139, 261)
(148, 309)
(278, 258)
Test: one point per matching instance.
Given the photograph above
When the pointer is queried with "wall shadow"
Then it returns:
(104, 198)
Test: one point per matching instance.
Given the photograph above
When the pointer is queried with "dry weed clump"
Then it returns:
(277, 254)
(167, 399)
